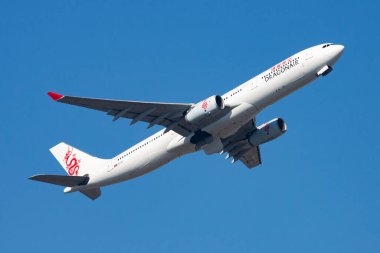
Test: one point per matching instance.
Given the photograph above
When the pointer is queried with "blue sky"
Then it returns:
(317, 189)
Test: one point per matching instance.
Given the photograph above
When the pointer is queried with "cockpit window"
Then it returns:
(327, 45)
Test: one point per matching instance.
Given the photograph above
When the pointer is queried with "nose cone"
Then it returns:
(339, 50)
(336, 53)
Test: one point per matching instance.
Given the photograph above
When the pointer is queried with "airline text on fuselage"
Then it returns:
(280, 68)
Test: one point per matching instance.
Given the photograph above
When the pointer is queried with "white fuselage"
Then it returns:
(247, 100)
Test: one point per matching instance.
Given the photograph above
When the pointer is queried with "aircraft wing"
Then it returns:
(169, 115)
(238, 148)
(251, 158)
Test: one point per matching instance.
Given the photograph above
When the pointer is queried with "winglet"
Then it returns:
(55, 96)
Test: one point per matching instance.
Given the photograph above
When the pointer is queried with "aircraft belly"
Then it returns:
(181, 145)
(231, 122)
(146, 160)
(157, 158)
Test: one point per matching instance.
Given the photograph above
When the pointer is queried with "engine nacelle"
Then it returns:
(204, 109)
(267, 132)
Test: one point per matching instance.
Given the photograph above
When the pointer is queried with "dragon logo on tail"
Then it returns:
(71, 161)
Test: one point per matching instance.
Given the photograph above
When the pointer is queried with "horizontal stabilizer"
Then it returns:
(92, 193)
(61, 179)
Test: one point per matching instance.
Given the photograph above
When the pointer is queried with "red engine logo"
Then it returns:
(71, 161)
(204, 105)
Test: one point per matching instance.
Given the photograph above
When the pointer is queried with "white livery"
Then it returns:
(217, 124)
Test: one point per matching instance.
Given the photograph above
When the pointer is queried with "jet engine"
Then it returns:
(267, 132)
(204, 109)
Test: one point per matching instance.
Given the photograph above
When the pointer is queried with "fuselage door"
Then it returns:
(256, 82)
(111, 165)
(308, 54)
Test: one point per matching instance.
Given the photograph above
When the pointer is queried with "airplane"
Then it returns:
(217, 124)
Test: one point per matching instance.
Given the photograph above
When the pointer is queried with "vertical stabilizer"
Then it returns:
(76, 162)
